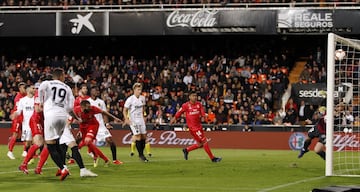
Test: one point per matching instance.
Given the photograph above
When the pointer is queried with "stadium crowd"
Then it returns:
(244, 90)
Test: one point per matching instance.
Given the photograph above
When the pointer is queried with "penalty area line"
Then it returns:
(292, 183)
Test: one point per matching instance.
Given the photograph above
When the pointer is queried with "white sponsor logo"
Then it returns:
(300, 19)
(1, 24)
(166, 138)
(81, 21)
(341, 142)
(312, 93)
(201, 18)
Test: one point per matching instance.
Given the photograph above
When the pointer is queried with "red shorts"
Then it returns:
(89, 131)
(198, 134)
(16, 125)
(37, 126)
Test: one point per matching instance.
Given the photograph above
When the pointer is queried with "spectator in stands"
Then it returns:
(210, 116)
(278, 119)
(221, 115)
(188, 78)
(305, 113)
(291, 105)
(246, 123)
(305, 75)
(229, 96)
(290, 118)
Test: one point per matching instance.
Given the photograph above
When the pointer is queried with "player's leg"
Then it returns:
(194, 146)
(38, 141)
(112, 145)
(88, 140)
(67, 139)
(148, 149)
(43, 157)
(320, 145)
(199, 136)
(312, 133)
(54, 126)
(16, 131)
(11, 145)
(139, 135)
(132, 146)
(98, 152)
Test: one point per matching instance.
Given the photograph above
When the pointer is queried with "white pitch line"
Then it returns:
(292, 183)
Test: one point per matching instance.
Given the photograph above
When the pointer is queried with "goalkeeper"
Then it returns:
(318, 131)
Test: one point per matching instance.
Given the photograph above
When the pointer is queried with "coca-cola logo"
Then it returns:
(347, 141)
(165, 138)
(201, 18)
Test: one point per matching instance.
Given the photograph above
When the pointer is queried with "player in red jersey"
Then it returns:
(16, 122)
(82, 95)
(194, 111)
(89, 126)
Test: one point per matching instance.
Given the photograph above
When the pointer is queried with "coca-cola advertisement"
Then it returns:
(214, 21)
(201, 18)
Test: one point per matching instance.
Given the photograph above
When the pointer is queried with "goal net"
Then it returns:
(342, 132)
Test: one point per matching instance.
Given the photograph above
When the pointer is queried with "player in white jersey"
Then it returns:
(57, 100)
(134, 116)
(26, 107)
(104, 125)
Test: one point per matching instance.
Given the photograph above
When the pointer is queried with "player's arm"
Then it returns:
(18, 110)
(126, 116)
(110, 115)
(178, 114)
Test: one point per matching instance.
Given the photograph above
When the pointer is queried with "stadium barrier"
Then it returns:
(264, 137)
(289, 138)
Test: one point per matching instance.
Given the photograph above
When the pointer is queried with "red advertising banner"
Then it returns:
(227, 139)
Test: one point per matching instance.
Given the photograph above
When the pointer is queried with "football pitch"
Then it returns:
(167, 171)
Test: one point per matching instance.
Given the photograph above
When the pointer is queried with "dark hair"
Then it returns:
(21, 84)
(57, 72)
(84, 102)
(46, 77)
(94, 87)
(192, 92)
(83, 85)
(27, 86)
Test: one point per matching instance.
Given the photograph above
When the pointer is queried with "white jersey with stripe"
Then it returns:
(135, 106)
(56, 96)
(100, 104)
(26, 107)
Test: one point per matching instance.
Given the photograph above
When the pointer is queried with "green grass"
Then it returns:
(240, 170)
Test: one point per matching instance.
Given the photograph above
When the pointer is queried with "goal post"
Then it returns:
(342, 107)
(330, 104)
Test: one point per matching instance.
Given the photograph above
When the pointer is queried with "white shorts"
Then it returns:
(67, 137)
(54, 126)
(26, 134)
(102, 134)
(138, 129)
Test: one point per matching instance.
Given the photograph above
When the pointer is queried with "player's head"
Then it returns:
(30, 89)
(58, 74)
(21, 87)
(137, 88)
(192, 96)
(94, 91)
(322, 110)
(83, 90)
(85, 106)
